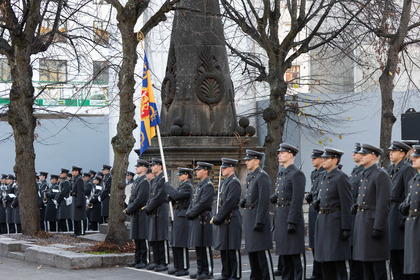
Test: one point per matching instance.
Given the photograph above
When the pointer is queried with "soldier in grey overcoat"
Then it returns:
(333, 224)
(16, 208)
(312, 213)
(228, 221)
(356, 267)
(50, 208)
(400, 175)
(157, 209)
(9, 200)
(43, 186)
(289, 231)
(371, 231)
(79, 202)
(3, 201)
(411, 208)
(138, 219)
(94, 213)
(61, 200)
(106, 192)
(199, 212)
(256, 218)
(181, 198)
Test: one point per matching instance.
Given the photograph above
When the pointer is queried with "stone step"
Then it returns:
(16, 255)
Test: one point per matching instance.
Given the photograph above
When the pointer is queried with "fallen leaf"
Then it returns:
(39, 267)
(390, 73)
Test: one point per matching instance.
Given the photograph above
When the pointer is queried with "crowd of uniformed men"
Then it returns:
(357, 223)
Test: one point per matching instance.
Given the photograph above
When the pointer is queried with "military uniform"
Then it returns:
(43, 187)
(94, 213)
(356, 267)
(64, 207)
(201, 231)
(256, 219)
(371, 231)
(9, 209)
(333, 225)
(3, 202)
(157, 209)
(312, 213)
(106, 193)
(16, 209)
(50, 208)
(400, 176)
(228, 224)
(180, 197)
(289, 231)
(79, 204)
(411, 208)
(138, 219)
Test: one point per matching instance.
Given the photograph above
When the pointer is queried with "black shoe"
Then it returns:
(132, 264)
(313, 277)
(172, 271)
(204, 276)
(161, 267)
(222, 278)
(193, 276)
(277, 272)
(140, 266)
(151, 266)
(182, 273)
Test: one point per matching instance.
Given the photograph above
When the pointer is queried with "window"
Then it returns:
(101, 34)
(52, 70)
(293, 74)
(4, 70)
(47, 26)
(100, 72)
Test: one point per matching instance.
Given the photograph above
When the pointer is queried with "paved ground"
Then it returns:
(14, 269)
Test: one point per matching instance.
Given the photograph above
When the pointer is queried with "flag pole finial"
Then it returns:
(140, 38)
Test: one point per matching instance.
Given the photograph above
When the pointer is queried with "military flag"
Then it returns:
(149, 113)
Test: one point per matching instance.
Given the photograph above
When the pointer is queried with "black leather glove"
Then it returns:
(189, 216)
(316, 204)
(147, 211)
(404, 208)
(377, 234)
(345, 234)
(216, 221)
(291, 228)
(353, 209)
(259, 227)
(242, 203)
(308, 198)
(273, 199)
(402, 224)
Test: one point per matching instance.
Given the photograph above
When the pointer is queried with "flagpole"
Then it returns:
(162, 156)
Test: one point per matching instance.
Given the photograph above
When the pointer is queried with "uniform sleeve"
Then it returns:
(141, 198)
(264, 187)
(383, 196)
(184, 192)
(232, 200)
(298, 189)
(159, 197)
(344, 192)
(205, 202)
(409, 174)
(80, 195)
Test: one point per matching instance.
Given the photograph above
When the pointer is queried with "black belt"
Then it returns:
(364, 207)
(414, 213)
(328, 210)
(283, 203)
(249, 206)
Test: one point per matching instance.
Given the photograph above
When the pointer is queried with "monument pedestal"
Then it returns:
(186, 151)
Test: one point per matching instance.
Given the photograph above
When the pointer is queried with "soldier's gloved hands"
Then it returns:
(402, 223)
(189, 216)
(308, 198)
(55, 202)
(404, 207)
(242, 203)
(216, 221)
(377, 234)
(259, 227)
(291, 228)
(345, 234)
(147, 211)
(353, 209)
(273, 199)
(316, 204)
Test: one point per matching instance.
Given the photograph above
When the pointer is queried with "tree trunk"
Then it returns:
(275, 117)
(123, 142)
(23, 122)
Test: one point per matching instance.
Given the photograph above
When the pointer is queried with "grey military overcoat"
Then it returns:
(79, 200)
(229, 232)
(373, 206)
(312, 213)
(290, 190)
(257, 197)
(50, 210)
(64, 210)
(138, 199)
(105, 194)
(201, 231)
(335, 203)
(181, 198)
(412, 229)
(157, 206)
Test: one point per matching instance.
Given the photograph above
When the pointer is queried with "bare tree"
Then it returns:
(313, 25)
(123, 143)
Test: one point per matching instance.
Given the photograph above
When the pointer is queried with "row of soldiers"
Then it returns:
(71, 202)
(366, 218)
